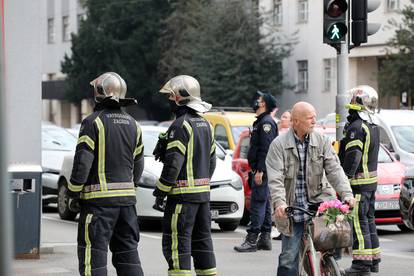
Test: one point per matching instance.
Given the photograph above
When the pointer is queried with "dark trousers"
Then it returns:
(365, 250)
(289, 257)
(186, 233)
(260, 211)
(114, 226)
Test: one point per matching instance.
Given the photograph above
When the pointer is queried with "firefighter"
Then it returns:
(189, 162)
(359, 158)
(264, 131)
(107, 166)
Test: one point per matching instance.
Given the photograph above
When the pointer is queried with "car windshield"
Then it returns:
(56, 138)
(236, 131)
(383, 156)
(404, 136)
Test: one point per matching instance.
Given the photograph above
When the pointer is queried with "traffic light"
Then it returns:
(334, 21)
(360, 28)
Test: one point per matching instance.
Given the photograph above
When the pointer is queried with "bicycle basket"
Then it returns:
(334, 235)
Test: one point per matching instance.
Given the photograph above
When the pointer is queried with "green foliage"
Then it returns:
(397, 69)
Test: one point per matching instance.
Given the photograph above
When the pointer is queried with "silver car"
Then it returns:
(227, 197)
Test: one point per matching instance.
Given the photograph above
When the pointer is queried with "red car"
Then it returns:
(390, 179)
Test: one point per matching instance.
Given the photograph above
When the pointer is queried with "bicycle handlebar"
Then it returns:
(289, 211)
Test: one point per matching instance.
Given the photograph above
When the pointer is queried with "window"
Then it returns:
(302, 76)
(303, 10)
(244, 147)
(221, 136)
(50, 31)
(277, 12)
(80, 18)
(393, 5)
(328, 76)
(385, 139)
(65, 28)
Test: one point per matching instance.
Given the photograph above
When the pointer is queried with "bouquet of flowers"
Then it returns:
(334, 211)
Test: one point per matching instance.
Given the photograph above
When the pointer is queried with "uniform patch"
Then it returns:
(352, 135)
(172, 132)
(267, 128)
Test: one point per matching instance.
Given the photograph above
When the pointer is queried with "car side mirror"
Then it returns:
(397, 156)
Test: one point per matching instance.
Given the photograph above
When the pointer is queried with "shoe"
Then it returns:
(249, 244)
(264, 242)
(278, 238)
(356, 272)
(374, 268)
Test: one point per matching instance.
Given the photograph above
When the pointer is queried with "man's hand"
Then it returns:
(280, 211)
(350, 201)
(74, 204)
(159, 204)
(258, 178)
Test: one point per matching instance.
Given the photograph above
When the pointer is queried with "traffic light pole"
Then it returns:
(342, 87)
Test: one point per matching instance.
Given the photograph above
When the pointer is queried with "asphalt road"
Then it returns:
(59, 252)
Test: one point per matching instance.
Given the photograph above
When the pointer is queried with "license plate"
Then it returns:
(214, 214)
(387, 205)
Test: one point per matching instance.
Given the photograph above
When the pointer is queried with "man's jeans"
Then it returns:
(289, 257)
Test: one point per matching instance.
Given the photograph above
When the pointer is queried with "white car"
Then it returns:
(227, 197)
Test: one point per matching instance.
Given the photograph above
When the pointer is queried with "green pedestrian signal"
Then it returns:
(334, 21)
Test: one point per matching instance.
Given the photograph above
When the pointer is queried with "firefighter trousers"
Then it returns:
(114, 226)
(186, 234)
(365, 250)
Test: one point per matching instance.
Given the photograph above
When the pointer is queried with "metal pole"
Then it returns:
(342, 87)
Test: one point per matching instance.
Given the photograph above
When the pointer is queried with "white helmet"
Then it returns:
(364, 99)
(109, 85)
(188, 89)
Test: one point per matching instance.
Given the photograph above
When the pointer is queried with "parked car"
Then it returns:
(227, 198)
(407, 200)
(390, 178)
(56, 143)
(228, 125)
(397, 132)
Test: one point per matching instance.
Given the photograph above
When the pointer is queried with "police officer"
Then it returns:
(107, 166)
(264, 131)
(189, 162)
(359, 158)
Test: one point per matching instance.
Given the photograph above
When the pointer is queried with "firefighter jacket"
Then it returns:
(263, 133)
(359, 153)
(109, 158)
(190, 159)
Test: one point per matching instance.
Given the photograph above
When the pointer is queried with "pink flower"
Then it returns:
(322, 208)
(344, 209)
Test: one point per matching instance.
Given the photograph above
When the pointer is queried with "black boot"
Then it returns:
(249, 244)
(264, 242)
(374, 268)
(357, 272)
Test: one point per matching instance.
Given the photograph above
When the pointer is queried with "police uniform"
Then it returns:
(359, 159)
(263, 133)
(107, 165)
(189, 163)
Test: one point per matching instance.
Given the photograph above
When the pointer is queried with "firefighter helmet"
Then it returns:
(364, 99)
(188, 90)
(109, 85)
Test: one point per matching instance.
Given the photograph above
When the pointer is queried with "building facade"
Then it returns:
(312, 66)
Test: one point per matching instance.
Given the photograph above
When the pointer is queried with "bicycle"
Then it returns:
(309, 263)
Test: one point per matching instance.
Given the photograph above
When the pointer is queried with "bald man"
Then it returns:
(295, 164)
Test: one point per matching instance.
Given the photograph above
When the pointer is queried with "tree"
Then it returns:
(397, 68)
(120, 36)
(226, 46)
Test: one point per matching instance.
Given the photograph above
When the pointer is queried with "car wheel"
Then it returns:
(63, 207)
(228, 226)
(404, 228)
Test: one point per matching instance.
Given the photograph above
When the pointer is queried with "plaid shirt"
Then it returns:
(301, 198)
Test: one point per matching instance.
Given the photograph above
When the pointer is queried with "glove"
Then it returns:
(74, 204)
(159, 204)
(161, 147)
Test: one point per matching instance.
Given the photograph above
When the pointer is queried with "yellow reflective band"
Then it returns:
(177, 144)
(364, 181)
(357, 143)
(178, 272)
(86, 139)
(75, 188)
(138, 150)
(163, 187)
(189, 190)
(210, 271)
(101, 154)
(362, 252)
(213, 148)
(376, 251)
(366, 148)
(353, 106)
(357, 226)
(174, 234)
(88, 268)
(190, 152)
(111, 193)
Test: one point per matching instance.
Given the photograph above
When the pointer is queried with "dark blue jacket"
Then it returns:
(263, 133)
